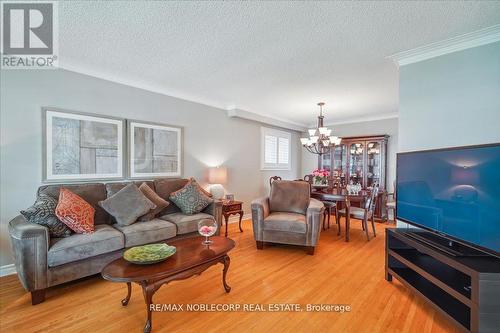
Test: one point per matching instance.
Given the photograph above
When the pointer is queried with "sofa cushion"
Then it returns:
(75, 212)
(147, 232)
(91, 193)
(190, 199)
(186, 223)
(289, 222)
(289, 196)
(76, 247)
(164, 187)
(160, 203)
(127, 205)
(42, 212)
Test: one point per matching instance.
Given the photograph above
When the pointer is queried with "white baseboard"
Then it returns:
(7, 270)
(236, 218)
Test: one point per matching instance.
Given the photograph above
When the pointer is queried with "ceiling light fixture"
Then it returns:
(320, 140)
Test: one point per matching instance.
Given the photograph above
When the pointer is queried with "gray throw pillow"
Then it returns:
(42, 212)
(127, 205)
(190, 199)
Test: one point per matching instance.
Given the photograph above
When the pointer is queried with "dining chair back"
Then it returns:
(273, 178)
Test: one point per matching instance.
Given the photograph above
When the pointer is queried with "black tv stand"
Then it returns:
(464, 288)
(443, 244)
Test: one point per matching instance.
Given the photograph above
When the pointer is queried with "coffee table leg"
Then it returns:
(129, 292)
(226, 261)
(148, 291)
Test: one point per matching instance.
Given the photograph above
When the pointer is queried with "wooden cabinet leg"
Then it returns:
(310, 250)
(37, 296)
(260, 245)
(129, 292)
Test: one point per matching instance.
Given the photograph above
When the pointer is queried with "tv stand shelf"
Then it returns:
(465, 289)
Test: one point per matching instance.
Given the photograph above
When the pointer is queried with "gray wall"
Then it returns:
(210, 137)
(451, 100)
(384, 126)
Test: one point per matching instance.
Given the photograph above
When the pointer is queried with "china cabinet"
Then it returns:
(360, 160)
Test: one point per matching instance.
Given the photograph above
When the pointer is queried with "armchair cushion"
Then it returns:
(81, 246)
(288, 222)
(289, 196)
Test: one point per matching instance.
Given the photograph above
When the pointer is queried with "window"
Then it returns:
(275, 146)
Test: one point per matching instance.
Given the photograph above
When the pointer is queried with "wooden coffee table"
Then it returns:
(191, 258)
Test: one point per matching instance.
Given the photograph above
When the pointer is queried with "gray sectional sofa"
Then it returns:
(42, 262)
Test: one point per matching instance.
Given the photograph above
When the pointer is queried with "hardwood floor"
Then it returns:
(339, 273)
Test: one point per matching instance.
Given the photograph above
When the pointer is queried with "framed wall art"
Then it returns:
(155, 150)
(81, 146)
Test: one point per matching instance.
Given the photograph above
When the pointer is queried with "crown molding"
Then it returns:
(140, 84)
(277, 122)
(454, 44)
(361, 119)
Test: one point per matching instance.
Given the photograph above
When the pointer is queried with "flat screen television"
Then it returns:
(453, 192)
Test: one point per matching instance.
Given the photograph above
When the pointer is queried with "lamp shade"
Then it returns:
(217, 175)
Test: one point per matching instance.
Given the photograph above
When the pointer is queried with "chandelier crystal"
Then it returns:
(320, 140)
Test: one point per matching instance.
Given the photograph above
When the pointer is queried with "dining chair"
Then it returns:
(365, 212)
(391, 205)
(330, 206)
(273, 178)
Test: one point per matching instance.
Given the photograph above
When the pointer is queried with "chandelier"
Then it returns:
(320, 140)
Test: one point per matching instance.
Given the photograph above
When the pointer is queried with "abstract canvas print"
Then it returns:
(81, 146)
(154, 150)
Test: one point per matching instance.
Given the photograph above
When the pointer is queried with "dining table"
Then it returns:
(340, 194)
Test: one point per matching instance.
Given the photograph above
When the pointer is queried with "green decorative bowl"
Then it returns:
(149, 254)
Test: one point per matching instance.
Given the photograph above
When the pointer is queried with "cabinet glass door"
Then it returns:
(339, 165)
(374, 161)
(356, 152)
(326, 162)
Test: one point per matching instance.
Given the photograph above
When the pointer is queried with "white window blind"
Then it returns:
(275, 149)
(270, 149)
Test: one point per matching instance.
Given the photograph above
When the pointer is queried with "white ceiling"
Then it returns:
(276, 59)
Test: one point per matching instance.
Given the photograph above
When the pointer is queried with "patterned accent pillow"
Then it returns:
(208, 194)
(75, 212)
(190, 199)
(42, 212)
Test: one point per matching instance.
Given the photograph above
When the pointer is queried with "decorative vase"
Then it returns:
(207, 228)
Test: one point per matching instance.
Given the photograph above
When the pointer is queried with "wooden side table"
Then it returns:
(232, 208)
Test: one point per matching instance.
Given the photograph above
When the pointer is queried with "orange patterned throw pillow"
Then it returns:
(75, 212)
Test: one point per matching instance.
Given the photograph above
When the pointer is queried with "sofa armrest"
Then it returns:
(30, 243)
(215, 209)
(314, 218)
(260, 210)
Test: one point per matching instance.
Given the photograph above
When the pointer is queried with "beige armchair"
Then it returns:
(288, 216)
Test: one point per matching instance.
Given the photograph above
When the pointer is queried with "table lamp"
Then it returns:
(216, 177)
